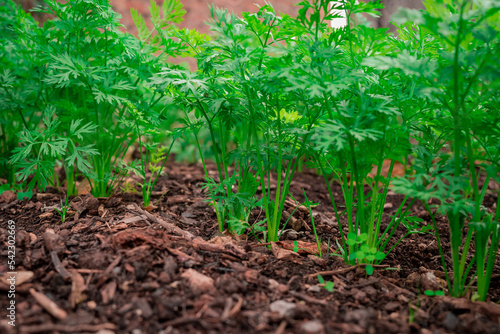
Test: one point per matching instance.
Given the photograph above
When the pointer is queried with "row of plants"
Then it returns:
(269, 93)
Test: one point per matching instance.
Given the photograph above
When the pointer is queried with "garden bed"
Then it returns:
(123, 270)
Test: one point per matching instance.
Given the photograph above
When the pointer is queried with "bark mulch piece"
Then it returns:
(114, 267)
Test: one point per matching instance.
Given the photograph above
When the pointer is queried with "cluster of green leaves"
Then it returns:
(451, 52)
(365, 253)
(21, 74)
(329, 285)
(271, 89)
(269, 92)
(362, 122)
(88, 81)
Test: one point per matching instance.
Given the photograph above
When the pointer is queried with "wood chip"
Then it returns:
(46, 215)
(133, 219)
(49, 306)
(108, 292)
(78, 289)
(63, 328)
(65, 274)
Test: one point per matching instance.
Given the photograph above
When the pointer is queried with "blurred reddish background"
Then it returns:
(198, 12)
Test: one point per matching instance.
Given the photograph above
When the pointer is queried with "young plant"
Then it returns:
(308, 205)
(64, 209)
(153, 155)
(461, 80)
(364, 254)
(85, 68)
(328, 285)
(357, 125)
(432, 293)
(21, 90)
(41, 150)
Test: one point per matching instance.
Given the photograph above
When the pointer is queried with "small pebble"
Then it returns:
(312, 327)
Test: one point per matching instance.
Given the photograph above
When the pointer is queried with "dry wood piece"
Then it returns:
(48, 305)
(67, 328)
(285, 254)
(108, 292)
(230, 249)
(309, 299)
(171, 228)
(65, 274)
(133, 219)
(9, 205)
(53, 241)
(281, 327)
(78, 289)
(88, 271)
(229, 312)
(21, 277)
(332, 272)
(345, 270)
(197, 242)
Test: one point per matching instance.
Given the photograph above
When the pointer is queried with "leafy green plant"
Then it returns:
(230, 97)
(354, 123)
(328, 285)
(86, 69)
(20, 76)
(38, 157)
(460, 77)
(153, 156)
(128, 188)
(487, 239)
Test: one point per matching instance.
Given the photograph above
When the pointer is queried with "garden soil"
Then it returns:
(113, 267)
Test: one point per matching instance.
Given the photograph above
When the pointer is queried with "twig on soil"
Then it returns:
(345, 270)
(309, 299)
(281, 327)
(9, 205)
(65, 274)
(332, 272)
(229, 312)
(196, 242)
(88, 271)
(181, 321)
(48, 305)
(171, 228)
(66, 328)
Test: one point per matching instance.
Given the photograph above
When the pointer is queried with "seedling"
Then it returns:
(459, 118)
(363, 253)
(308, 205)
(328, 285)
(64, 209)
(432, 293)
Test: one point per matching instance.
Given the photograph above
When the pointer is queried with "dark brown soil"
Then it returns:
(113, 268)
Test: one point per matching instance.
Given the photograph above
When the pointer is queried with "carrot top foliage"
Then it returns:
(269, 93)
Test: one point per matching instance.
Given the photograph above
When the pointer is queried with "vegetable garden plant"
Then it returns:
(269, 92)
